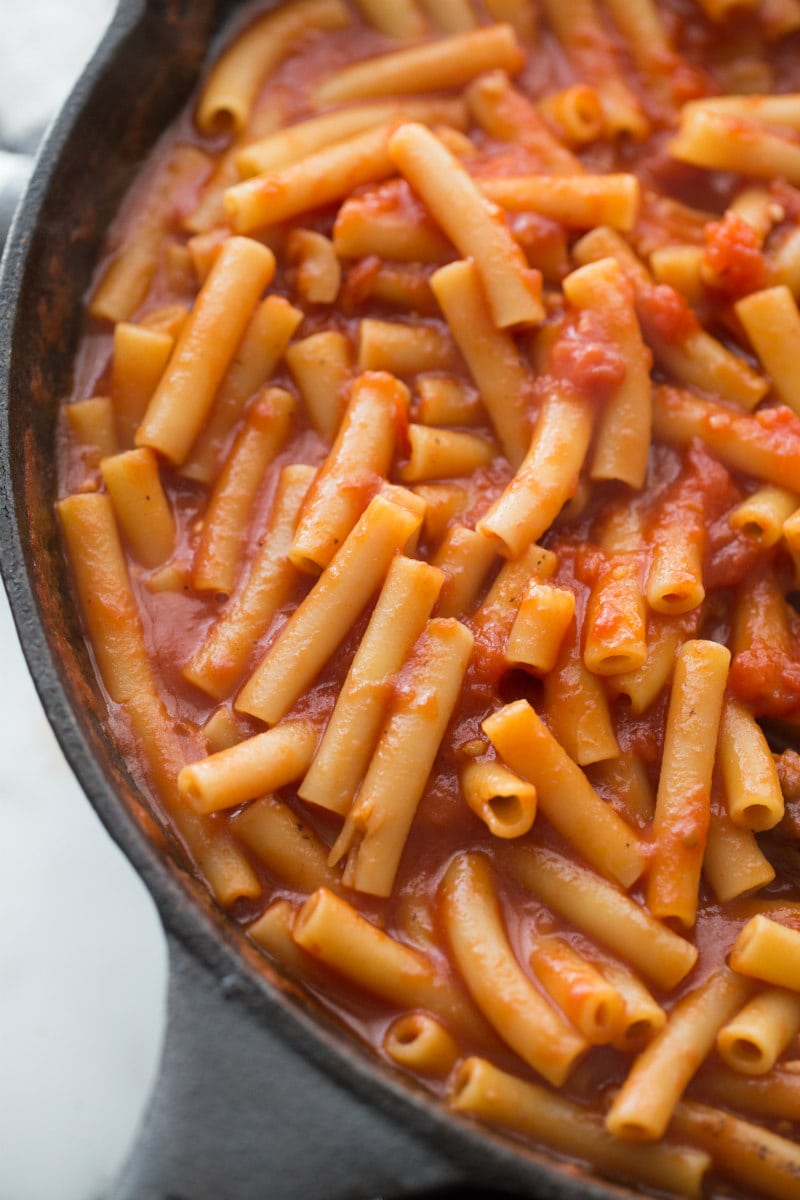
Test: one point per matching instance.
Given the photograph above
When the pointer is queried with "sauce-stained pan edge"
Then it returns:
(313, 1114)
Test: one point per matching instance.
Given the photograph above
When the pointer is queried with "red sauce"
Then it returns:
(734, 258)
(586, 359)
(669, 312)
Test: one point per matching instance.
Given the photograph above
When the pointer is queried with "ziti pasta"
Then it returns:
(430, 488)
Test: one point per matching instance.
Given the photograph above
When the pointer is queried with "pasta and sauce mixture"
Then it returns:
(431, 490)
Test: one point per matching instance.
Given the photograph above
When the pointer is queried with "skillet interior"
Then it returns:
(138, 80)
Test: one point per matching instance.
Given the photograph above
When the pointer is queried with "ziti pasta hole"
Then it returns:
(430, 488)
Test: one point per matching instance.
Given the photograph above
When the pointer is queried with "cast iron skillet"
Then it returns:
(260, 1094)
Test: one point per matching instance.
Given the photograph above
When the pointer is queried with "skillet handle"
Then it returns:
(238, 1113)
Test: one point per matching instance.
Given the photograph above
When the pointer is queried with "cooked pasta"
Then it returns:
(431, 491)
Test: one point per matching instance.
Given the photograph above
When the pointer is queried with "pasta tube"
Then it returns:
(526, 745)
(321, 366)
(772, 322)
(540, 626)
(466, 558)
(580, 201)
(419, 1042)
(580, 32)
(684, 787)
(230, 91)
(724, 142)
(501, 377)
(753, 1040)
(321, 178)
(546, 478)
(590, 1001)
(482, 1090)
(221, 660)
(744, 1152)
(576, 705)
(733, 862)
(295, 142)
(506, 113)
(108, 607)
(328, 611)
(520, 1014)
(257, 355)
(641, 1018)
(768, 951)
(643, 1107)
(342, 757)
(363, 449)
(333, 932)
(504, 802)
(476, 228)
(375, 832)
(443, 454)
(262, 436)
(752, 788)
(623, 435)
(285, 844)
(402, 20)
(430, 67)
(205, 348)
(604, 912)
(259, 764)
(140, 356)
(140, 505)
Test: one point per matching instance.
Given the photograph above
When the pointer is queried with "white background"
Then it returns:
(82, 958)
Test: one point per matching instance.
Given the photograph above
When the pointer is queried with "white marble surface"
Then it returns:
(82, 958)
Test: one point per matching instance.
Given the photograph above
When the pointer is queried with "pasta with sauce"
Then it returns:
(431, 495)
